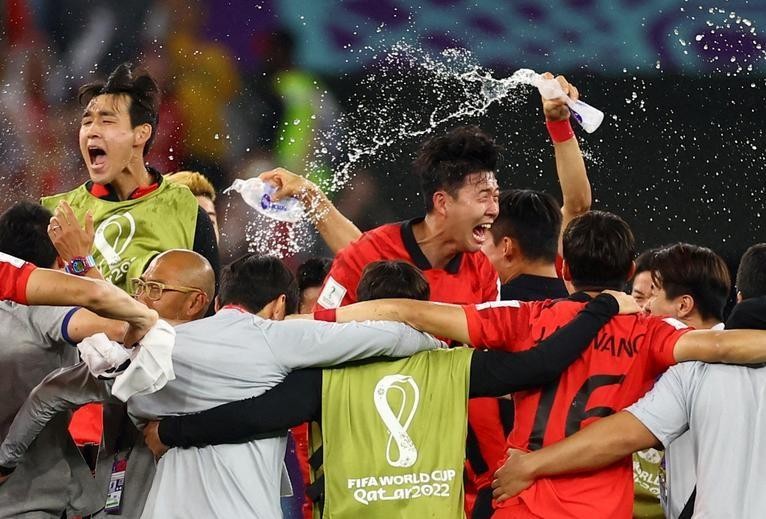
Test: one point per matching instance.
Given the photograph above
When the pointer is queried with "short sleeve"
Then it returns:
(52, 323)
(339, 287)
(662, 338)
(14, 276)
(665, 409)
(498, 325)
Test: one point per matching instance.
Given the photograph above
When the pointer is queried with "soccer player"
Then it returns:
(687, 400)
(435, 430)
(691, 284)
(132, 212)
(620, 366)
(641, 286)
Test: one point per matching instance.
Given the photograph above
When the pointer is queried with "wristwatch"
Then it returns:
(80, 265)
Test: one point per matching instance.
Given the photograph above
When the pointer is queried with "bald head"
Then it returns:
(185, 269)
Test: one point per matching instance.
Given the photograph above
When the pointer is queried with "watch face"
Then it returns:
(78, 266)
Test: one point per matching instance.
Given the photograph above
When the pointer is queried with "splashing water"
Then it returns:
(452, 87)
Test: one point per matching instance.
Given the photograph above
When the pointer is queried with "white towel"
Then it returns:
(152, 367)
(102, 355)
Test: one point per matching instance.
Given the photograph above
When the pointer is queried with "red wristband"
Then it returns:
(325, 315)
(560, 131)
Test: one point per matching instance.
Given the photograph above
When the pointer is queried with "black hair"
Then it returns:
(393, 278)
(533, 219)
(442, 163)
(139, 87)
(684, 268)
(24, 234)
(599, 248)
(311, 273)
(751, 274)
(644, 261)
(253, 281)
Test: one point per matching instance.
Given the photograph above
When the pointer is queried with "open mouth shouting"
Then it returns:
(480, 232)
(97, 157)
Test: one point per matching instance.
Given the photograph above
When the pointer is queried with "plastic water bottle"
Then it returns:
(258, 194)
(589, 118)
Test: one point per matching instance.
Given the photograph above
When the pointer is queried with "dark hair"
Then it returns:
(599, 249)
(395, 278)
(443, 162)
(644, 261)
(533, 219)
(684, 268)
(139, 87)
(311, 273)
(751, 274)
(24, 234)
(254, 281)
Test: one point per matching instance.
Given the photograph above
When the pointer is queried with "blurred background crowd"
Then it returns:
(248, 85)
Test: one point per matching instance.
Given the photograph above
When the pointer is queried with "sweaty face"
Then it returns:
(472, 210)
(642, 288)
(106, 137)
(661, 305)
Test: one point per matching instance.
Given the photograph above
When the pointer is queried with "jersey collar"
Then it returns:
(108, 193)
(416, 253)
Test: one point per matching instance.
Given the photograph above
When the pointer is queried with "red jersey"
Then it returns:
(619, 366)
(468, 278)
(14, 275)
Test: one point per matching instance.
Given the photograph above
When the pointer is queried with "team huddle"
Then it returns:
(483, 360)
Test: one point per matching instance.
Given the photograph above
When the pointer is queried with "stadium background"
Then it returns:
(680, 155)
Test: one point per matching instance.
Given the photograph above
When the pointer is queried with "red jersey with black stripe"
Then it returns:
(619, 366)
(468, 278)
(14, 275)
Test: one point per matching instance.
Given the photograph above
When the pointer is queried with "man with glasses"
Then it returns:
(179, 285)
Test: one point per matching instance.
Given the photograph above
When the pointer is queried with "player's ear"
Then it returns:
(685, 306)
(440, 201)
(566, 274)
(510, 247)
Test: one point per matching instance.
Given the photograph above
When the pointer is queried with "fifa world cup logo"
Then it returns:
(121, 228)
(397, 422)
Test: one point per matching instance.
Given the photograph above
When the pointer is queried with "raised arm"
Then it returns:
(70, 239)
(600, 444)
(335, 229)
(295, 400)
(63, 389)
(497, 373)
(570, 166)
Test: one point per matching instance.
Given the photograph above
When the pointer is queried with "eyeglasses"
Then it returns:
(154, 289)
